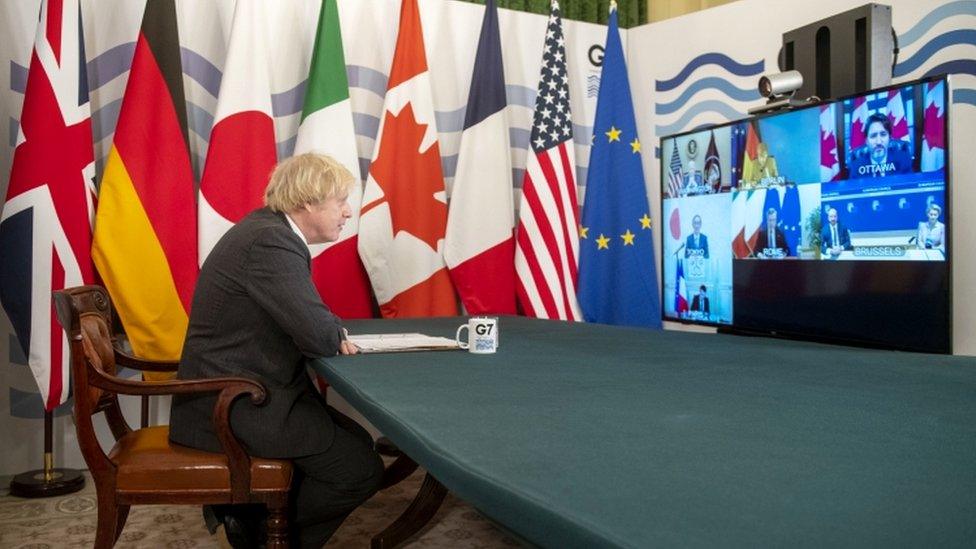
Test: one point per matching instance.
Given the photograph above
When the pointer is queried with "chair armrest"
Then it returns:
(238, 386)
(126, 360)
(229, 389)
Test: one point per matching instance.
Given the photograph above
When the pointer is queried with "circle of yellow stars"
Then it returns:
(603, 241)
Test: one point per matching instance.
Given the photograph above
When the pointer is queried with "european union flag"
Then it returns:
(617, 276)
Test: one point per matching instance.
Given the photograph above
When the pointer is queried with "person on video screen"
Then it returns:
(771, 241)
(761, 170)
(699, 303)
(931, 233)
(696, 244)
(835, 237)
(693, 183)
(880, 155)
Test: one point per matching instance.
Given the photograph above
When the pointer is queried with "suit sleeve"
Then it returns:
(279, 280)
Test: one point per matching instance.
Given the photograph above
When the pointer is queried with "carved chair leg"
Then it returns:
(108, 520)
(122, 515)
(277, 527)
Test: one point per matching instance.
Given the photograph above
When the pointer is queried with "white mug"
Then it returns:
(482, 335)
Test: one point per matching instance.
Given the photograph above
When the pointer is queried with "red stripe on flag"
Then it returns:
(56, 366)
(162, 177)
(545, 163)
(546, 232)
(70, 147)
(55, 11)
(523, 299)
(571, 222)
(541, 286)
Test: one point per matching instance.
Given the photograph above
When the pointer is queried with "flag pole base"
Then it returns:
(42, 484)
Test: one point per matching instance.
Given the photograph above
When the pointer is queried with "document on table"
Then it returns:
(399, 343)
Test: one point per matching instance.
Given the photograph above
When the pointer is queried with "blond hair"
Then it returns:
(305, 179)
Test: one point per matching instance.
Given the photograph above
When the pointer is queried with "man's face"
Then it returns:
(832, 217)
(878, 140)
(326, 219)
(696, 224)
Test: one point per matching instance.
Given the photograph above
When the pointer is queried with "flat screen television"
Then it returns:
(828, 222)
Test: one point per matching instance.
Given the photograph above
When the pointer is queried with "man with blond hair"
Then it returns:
(257, 314)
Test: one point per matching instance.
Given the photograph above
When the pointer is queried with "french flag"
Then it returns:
(479, 243)
(680, 290)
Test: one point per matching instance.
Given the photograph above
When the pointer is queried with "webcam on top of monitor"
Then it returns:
(779, 89)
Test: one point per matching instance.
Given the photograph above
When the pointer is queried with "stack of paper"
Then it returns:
(396, 343)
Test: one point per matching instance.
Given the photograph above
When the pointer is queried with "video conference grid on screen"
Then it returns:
(861, 179)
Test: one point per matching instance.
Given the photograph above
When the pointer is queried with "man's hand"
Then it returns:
(348, 348)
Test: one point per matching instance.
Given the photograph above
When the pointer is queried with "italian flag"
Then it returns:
(327, 128)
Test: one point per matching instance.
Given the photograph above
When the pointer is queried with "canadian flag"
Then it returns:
(896, 113)
(829, 162)
(859, 118)
(404, 212)
(242, 151)
(933, 134)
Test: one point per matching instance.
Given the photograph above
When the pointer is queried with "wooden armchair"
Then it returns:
(143, 467)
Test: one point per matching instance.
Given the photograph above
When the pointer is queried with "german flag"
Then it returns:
(145, 243)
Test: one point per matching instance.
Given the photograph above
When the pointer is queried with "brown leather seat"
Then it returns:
(145, 458)
(144, 467)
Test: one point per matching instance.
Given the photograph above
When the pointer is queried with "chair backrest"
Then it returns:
(85, 313)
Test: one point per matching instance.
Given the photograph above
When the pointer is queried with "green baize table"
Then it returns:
(585, 435)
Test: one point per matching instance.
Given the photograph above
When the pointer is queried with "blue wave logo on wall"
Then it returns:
(735, 80)
(920, 64)
(116, 61)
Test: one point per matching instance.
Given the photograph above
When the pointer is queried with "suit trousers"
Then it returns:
(328, 486)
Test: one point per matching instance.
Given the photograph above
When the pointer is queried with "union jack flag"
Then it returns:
(46, 224)
(547, 245)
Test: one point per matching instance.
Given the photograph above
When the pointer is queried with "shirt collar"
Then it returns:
(295, 228)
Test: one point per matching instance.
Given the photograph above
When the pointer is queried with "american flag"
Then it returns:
(547, 245)
(45, 227)
(674, 173)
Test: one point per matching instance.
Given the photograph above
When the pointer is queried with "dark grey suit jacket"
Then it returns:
(256, 314)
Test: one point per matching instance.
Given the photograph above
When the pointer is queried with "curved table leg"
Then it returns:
(400, 469)
(418, 514)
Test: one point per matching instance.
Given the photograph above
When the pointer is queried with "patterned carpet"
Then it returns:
(69, 521)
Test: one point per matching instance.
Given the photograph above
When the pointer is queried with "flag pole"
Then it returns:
(50, 481)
